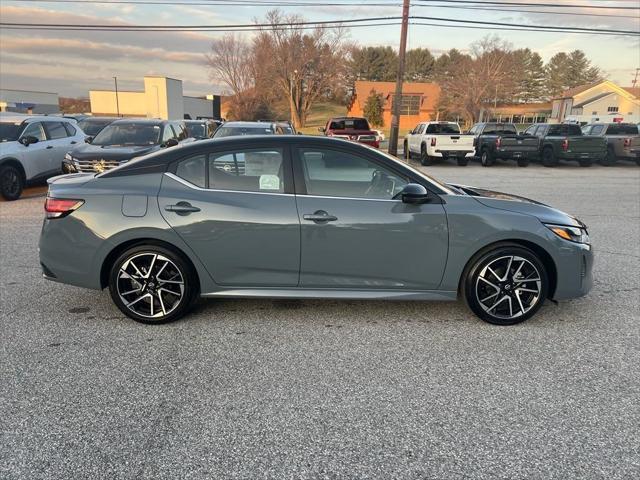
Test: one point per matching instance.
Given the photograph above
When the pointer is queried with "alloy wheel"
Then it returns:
(10, 182)
(508, 287)
(150, 285)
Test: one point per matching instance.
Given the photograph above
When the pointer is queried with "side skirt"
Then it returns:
(307, 293)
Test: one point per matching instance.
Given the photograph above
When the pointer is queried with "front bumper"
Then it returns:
(575, 270)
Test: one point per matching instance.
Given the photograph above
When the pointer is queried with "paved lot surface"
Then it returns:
(328, 389)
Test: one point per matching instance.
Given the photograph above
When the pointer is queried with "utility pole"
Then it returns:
(397, 98)
(115, 80)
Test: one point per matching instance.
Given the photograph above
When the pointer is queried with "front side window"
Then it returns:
(55, 130)
(596, 129)
(34, 130)
(167, 133)
(334, 173)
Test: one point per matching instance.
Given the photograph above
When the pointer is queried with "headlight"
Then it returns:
(573, 234)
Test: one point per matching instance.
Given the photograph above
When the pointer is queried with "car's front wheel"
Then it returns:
(506, 285)
(152, 284)
(11, 183)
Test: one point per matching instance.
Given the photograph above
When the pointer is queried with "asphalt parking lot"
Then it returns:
(331, 389)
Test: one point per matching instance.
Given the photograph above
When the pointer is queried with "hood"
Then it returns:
(110, 153)
(518, 204)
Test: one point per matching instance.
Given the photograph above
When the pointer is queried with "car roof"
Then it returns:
(147, 121)
(102, 119)
(246, 124)
(19, 118)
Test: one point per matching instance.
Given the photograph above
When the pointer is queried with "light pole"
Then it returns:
(397, 98)
(115, 81)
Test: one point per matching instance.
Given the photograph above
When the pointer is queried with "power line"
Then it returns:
(518, 4)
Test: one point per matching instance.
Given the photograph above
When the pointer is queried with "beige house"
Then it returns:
(598, 102)
(162, 97)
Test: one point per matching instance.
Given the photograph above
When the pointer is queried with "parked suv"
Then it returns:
(501, 141)
(32, 149)
(565, 141)
(201, 129)
(351, 128)
(121, 141)
(94, 125)
(623, 141)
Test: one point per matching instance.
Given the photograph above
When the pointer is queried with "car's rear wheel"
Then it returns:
(507, 285)
(425, 159)
(462, 161)
(152, 284)
(549, 157)
(523, 162)
(11, 183)
(609, 158)
(486, 159)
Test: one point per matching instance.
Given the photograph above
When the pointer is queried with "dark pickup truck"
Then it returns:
(623, 141)
(501, 141)
(565, 141)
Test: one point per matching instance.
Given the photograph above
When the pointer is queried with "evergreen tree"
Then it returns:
(557, 74)
(373, 109)
(376, 64)
(580, 71)
(420, 65)
(529, 74)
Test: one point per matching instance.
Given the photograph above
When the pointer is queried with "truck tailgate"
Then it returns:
(455, 143)
(586, 144)
(522, 143)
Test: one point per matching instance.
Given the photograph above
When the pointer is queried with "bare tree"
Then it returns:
(302, 66)
(231, 61)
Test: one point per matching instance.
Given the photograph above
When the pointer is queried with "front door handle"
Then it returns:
(319, 216)
(49, 147)
(73, 142)
(182, 208)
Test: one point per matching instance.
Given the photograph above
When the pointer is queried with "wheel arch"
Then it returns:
(14, 162)
(545, 258)
(115, 252)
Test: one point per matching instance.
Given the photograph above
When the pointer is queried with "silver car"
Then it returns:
(304, 217)
(32, 148)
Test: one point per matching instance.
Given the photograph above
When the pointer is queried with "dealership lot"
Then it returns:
(331, 389)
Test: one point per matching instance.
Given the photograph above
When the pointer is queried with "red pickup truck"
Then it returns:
(351, 128)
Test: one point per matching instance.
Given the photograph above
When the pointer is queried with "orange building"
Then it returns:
(418, 101)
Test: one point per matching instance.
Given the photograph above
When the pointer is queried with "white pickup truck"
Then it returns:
(431, 141)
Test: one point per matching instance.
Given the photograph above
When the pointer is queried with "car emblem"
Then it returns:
(99, 165)
(353, 137)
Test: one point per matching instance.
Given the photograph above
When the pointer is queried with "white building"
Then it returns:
(26, 101)
(162, 97)
(599, 102)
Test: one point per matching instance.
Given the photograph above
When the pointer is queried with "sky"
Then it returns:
(73, 62)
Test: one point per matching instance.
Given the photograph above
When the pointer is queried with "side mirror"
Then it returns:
(414, 193)
(88, 139)
(321, 129)
(28, 140)
(172, 142)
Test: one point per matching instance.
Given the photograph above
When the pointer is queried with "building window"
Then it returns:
(410, 104)
(612, 109)
(594, 113)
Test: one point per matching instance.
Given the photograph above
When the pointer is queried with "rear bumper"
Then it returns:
(508, 154)
(577, 156)
(454, 153)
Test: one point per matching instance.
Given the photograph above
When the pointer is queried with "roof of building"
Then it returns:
(635, 91)
(572, 92)
(592, 99)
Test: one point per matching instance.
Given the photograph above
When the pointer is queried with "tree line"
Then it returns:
(297, 68)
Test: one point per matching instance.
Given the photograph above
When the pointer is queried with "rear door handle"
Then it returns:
(319, 216)
(182, 208)
(49, 147)
(73, 142)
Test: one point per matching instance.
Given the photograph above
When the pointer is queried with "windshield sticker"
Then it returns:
(269, 182)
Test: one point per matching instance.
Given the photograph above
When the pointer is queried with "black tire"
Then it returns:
(425, 159)
(486, 159)
(511, 288)
(609, 158)
(462, 161)
(585, 162)
(549, 157)
(180, 269)
(407, 152)
(11, 182)
(523, 162)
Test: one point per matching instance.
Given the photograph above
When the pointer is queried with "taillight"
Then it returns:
(627, 142)
(565, 144)
(433, 141)
(61, 207)
(498, 142)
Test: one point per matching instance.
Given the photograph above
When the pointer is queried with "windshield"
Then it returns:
(442, 186)
(197, 130)
(349, 124)
(9, 131)
(93, 127)
(128, 134)
(235, 131)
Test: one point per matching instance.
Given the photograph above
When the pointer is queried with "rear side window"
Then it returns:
(71, 130)
(248, 171)
(55, 130)
(443, 128)
(626, 129)
(193, 170)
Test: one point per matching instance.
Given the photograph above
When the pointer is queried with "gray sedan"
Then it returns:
(304, 217)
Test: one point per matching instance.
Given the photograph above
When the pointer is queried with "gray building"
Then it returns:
(27, 101)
